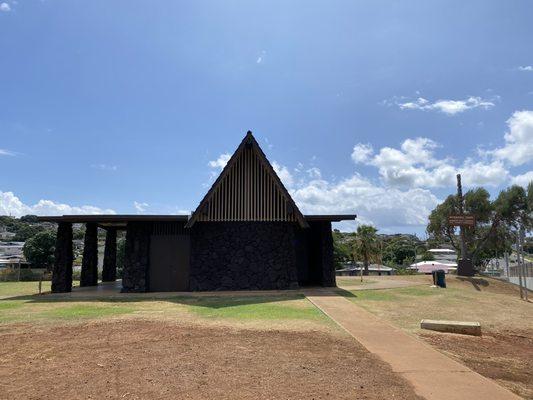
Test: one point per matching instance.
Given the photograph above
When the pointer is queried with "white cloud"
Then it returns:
(12, 205)
(220, 162)
(5, 7)
(449, 107)
(523, 180)
(415, 164)
(528, 68)
(140, 207)
(483, 174)
(372, 203)
(362, 152)
(284, 174)
(518, 147)
(4, 152)
(261, 57)
(104, 167)
(314, 173)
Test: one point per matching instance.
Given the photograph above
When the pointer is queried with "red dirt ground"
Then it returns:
(506, 357)
(140, 359)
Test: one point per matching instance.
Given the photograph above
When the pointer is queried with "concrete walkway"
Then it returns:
(433, 375)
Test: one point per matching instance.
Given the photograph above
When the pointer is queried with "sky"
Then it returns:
(365, 107)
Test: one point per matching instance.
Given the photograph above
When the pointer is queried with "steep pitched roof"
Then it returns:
(247, 189)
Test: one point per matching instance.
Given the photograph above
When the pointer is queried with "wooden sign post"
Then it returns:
(462, 220)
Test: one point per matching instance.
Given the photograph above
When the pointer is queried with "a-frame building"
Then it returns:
(247, 233)
(248, 189)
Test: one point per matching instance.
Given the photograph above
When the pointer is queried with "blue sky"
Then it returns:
(365, 106)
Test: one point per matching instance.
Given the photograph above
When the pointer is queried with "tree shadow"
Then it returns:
(210, 300)
(476, 282)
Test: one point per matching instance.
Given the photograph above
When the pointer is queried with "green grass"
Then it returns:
(257, 308)
(353, 282)
(22, 288)
(12, 289)
(79, 311)
(399, 294)
(9, 305)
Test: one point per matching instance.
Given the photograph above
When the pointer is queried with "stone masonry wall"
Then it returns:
(243, 255)
(328, 266)
(137, 257)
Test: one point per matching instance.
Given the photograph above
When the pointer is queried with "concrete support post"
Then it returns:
(109, 271)
(328, 266)
(62, 272)
(89, 265)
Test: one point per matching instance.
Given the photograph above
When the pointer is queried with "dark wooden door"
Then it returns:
(169, 263)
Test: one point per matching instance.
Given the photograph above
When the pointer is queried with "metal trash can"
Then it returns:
(439, 278)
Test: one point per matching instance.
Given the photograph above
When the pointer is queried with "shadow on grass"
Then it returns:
(210, 301)
(476, 282)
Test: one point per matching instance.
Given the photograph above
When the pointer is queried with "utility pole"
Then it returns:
(461, 212)
(465, 267)
(522, 276)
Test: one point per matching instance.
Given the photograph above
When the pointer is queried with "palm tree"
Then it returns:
(366, 245)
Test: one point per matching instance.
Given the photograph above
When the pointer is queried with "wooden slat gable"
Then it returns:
(248, 189)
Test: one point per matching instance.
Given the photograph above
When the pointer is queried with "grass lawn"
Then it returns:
(495, 304)
(21, 305)
(354, 282)
(504, 352)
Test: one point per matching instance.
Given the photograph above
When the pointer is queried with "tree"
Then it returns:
(341, 248)
(39, 249)
(121, 255)
(32, 219)
(366, 245)
(26, 231)
(495, 220)
(397, 251)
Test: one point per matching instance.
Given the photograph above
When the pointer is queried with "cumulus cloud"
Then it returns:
(5, 7)
(12, 205)
(415, 164)
(220, 162)
(140, 207)
(449, 107)
(361, 152)
(518, 148)
(373, 203)
(284, 174)
(523, 180)
(528, 68)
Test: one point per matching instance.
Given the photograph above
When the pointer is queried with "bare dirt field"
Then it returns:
(505, 357)
(156, 359)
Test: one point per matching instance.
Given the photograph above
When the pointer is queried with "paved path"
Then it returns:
(433, 375)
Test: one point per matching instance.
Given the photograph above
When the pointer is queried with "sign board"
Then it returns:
(462, 220)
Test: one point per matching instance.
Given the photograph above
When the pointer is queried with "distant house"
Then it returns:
(444, 255)
(444, 258)
(11, 249)
(5, 234)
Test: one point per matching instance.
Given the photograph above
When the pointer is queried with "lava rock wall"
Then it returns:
(243, 256)
(137, 257)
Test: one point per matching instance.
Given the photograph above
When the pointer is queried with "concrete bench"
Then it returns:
(461, 327)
